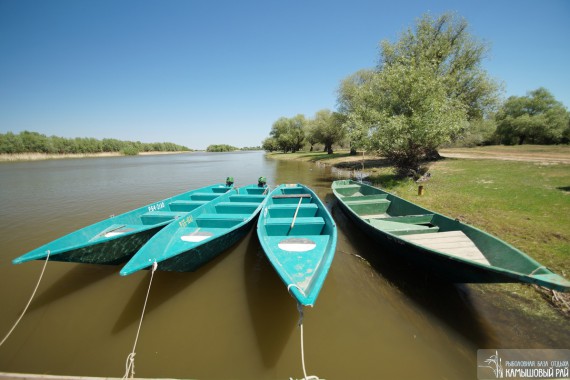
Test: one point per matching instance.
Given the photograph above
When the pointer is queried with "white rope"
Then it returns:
(130, 363)
(29, 302)
(300, 324)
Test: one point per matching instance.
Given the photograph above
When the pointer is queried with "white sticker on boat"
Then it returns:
(114, 233)
(196, 237)
(297, 245)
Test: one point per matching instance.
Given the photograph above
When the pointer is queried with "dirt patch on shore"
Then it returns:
(542, 157)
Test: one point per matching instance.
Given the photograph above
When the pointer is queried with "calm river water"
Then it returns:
(233, 318)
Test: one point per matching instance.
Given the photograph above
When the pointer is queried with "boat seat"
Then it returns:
(454, 243)
(247, 198)
(236, 207)
(369, 207)
(204, 196)
(302, 226)
(358, 198)
(397, 228)
(288, 210)
(366, 199)
(187, 206)
(220, 220)
(410, 219)
(155, 217)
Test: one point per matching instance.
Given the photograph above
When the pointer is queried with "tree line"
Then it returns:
(428, 90)
(34, 142)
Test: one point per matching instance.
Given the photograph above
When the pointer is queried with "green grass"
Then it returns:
(525, 204)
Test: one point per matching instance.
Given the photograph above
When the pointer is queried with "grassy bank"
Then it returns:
(525, 202)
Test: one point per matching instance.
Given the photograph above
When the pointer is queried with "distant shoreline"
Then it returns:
(15, 157)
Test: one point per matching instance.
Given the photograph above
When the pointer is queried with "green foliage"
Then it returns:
(289, 133)
(130, 150)
(221, 148)
(537, 118)
(270, 144)
(33, 142)
(478, 132)
(426, 87)
(455, 56)
(326, 128)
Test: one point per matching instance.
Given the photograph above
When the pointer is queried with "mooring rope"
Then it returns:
(29, 302)
(130, 363)
(300, 324)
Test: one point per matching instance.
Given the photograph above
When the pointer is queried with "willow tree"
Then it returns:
(424, 90)
(537, 118)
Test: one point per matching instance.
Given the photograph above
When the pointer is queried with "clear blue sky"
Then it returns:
(206, 72)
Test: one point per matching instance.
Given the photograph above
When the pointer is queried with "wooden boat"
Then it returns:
(449, 248)
(117, 239)
(299, 237)
(200, 235)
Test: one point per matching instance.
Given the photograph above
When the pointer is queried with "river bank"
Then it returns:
(5, 157)
(527, 187)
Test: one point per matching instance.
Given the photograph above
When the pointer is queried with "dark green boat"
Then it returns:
(444, 246)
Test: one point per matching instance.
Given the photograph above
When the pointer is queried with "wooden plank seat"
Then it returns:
(236, 207)
(363, 198)
(220, 220)
(302, 226)
(187, 206)
(155, 217)
(411, 219)
(247, 198)
(454, 243)
(280, 196)
(204, 196)
(397, 228)
(288, 210)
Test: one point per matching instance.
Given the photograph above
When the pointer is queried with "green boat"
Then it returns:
(117, 239)
(299, 237)
(200, 235)
(449, 248)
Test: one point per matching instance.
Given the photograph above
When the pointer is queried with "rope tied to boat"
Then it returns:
(300, 325)
(130, 362)
(29, 301)
(536, 270)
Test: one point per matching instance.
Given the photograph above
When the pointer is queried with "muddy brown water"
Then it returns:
(233, 318)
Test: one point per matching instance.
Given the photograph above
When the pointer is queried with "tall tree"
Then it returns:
(289, 133)
(425, 88)
(537, 118)
(327, 129)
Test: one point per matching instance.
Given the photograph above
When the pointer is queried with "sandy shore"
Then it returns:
(45, 156)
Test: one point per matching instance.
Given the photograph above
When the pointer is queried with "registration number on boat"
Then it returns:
(186, 221)
(156, 206)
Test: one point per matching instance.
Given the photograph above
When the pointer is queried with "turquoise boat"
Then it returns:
(299, 238)
(202, 234)
(445, 247)
(117, 239)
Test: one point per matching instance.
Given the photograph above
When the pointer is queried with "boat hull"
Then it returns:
(202, 234)
(115, 240)
(192, 260)
(500, 262)
(298, 236)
